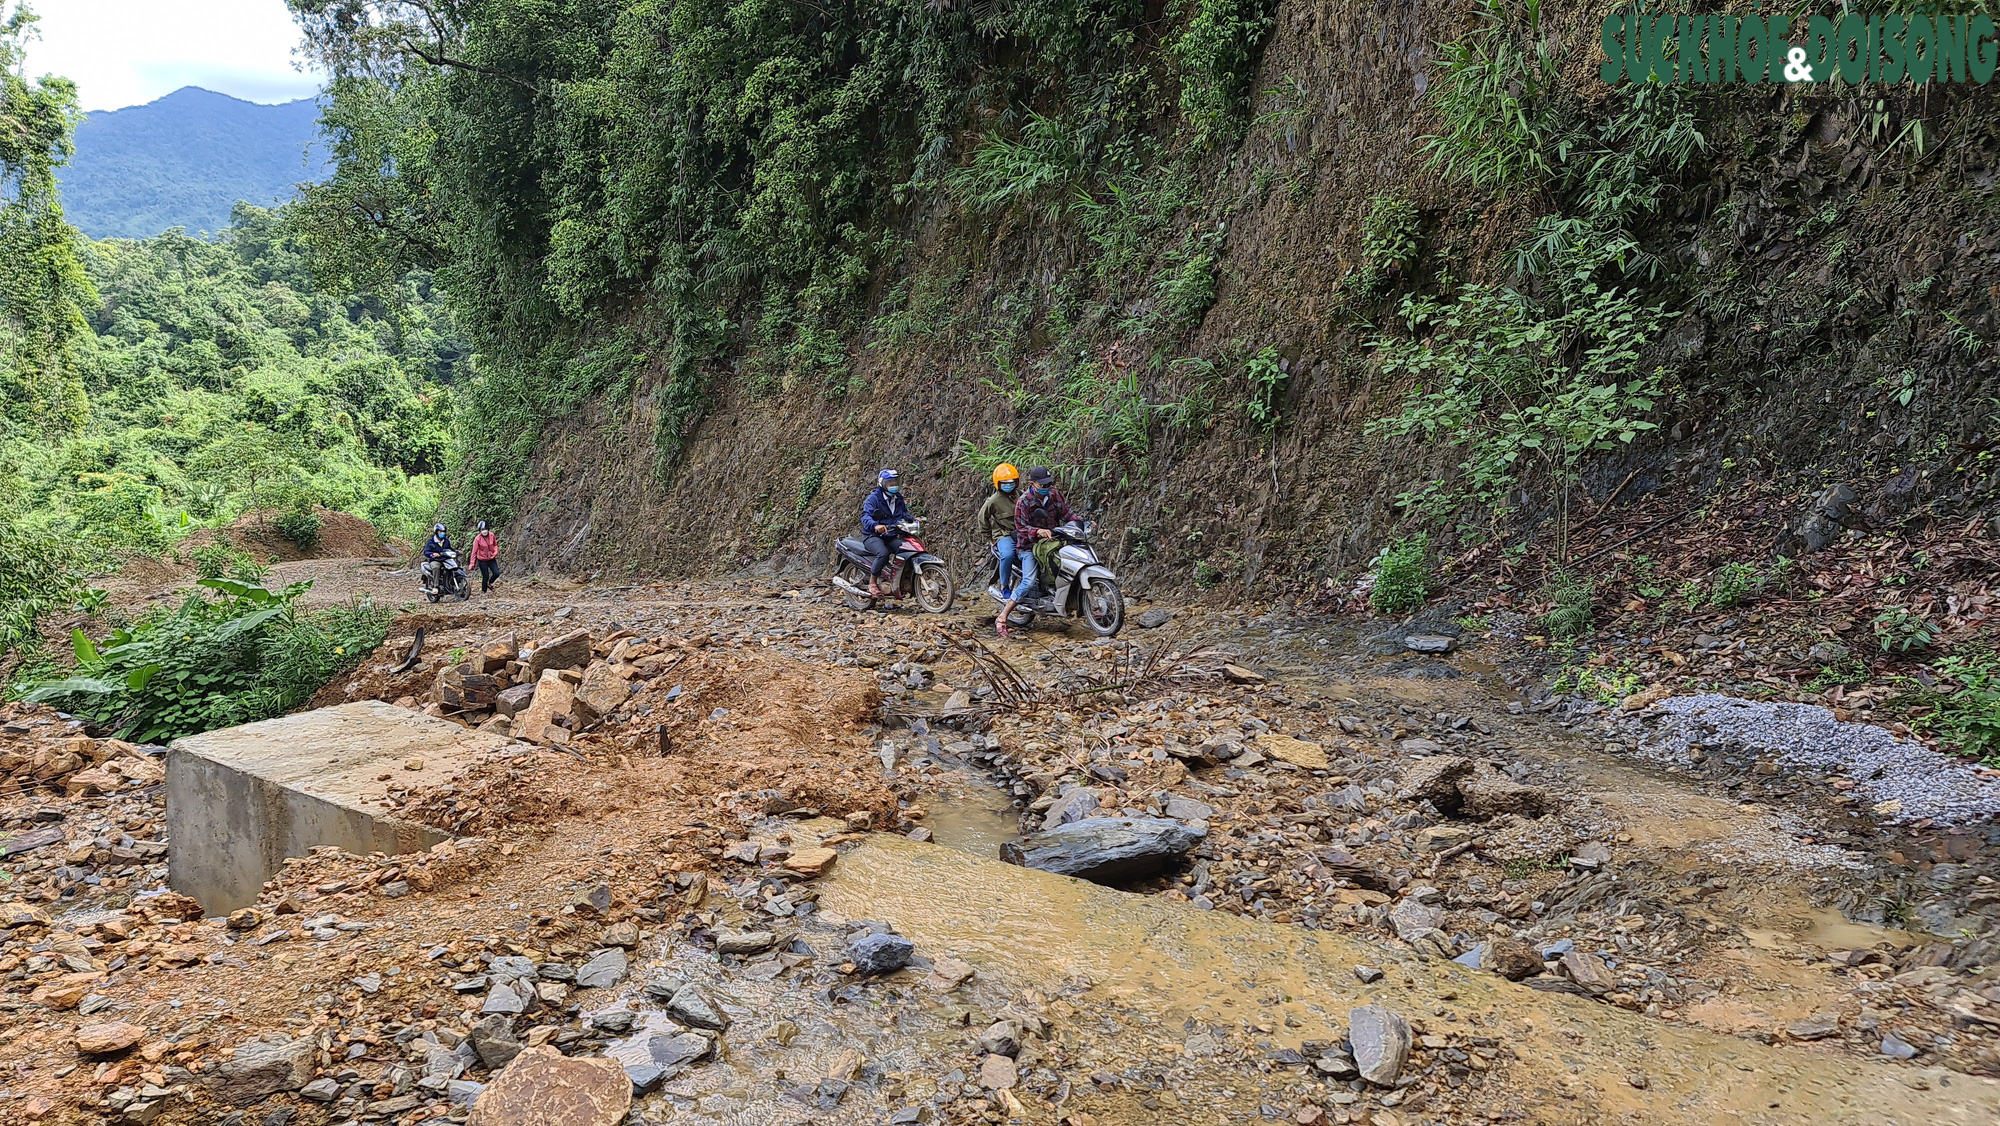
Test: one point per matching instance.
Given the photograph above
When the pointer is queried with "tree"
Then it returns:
(43, 287)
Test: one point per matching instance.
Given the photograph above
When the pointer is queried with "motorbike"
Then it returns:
(1081, 587)
(446, 577)
(912, 572)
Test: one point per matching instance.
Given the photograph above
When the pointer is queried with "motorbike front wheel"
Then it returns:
(464, 587)
(433, 595)
(857, 575)
(935, 592)
(1104, 608)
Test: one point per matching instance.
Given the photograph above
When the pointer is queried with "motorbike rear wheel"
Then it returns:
(858, 575)
(934, 589)
(1104, 608)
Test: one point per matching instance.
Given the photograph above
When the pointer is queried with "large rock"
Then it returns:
(1512, 959)
(1487, 792)
(104, 1039)
(880, 953)
(1298, 752)
(654, 1056)
(543, 1087)
(1411, 919)
(555, 698)
(1435, 780)
(262, 1068)
(1106, 849)
(602, 692)
(571, 650)
(1381, 1041)
(457, 690)
(513, 701)
(693, 1007)
(603, 971)
(492, 1039)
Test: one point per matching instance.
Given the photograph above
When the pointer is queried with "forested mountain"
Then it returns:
(184, 160)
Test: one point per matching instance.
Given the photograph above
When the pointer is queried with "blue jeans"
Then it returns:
(1003, 549)
(1024, 586)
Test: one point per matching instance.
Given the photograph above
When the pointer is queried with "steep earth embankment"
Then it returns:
(1833, 279)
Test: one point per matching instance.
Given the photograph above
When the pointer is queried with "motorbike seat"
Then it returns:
(853, 544)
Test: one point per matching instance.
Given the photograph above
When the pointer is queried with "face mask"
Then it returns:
(1041, 490)
(1008, 487)
(892, 490)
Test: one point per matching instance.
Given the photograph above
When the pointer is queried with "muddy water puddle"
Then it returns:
(972, 815)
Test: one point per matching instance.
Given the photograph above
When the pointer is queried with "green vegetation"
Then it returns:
(1967, 719)
(1732, 583)
(1402, 575)
(1902, 629)
(1388, 241)
(231, 653)
(706, 181)
(1607, 687)
(1267, 378)
(1570, 615)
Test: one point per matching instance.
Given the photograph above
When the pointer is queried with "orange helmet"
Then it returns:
(1005, 472)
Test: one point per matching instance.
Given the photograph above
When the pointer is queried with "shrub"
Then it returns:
(1968, 719)
(231, 653)
(1388, 240)
(1570, 614)
(1732, 583)
(1402, 575)
(39, 572)
(1267, 386)
(300, 524)
(222, 560)
(1901, 629)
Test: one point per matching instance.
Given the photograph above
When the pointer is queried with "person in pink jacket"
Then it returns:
(486, 556)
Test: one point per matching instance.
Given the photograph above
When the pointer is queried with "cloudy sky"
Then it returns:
(128, 52)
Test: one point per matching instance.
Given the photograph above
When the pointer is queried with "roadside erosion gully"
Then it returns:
(759, 879)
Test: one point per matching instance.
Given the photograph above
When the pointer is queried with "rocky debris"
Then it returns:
(811, 862)
(876, 954)
(1071, 807)
(262, 1068)
(1106, 849)
(603, 691)
(1459, 786)
(457, 689)
(492, 1040)
(107, 1039)
(654, 1056)
(1381, 1041)
(550, 716)
(1819, 1026)
(744, 942)
(998, 1073)
(570, 651)
(542, 1086)
(511, 702)
(691, 1006)
(603, 971)
(1589, 971)
(55, 756)
(1155, 618)
(1298, 752)
(1512, 959)
(1428, 643)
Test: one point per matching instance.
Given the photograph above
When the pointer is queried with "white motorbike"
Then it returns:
(445, 577)
(1081, 587)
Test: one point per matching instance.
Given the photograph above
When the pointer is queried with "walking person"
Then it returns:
(486, 556)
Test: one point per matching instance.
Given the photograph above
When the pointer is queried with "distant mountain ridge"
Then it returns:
(184, 160)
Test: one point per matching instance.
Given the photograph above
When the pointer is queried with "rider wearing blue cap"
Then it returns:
(880, 513)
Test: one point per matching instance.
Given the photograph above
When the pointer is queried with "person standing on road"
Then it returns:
(486, 556)
(996, 523)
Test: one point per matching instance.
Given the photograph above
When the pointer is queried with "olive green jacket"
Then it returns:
(996, 516)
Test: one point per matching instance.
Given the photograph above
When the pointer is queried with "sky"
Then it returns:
(128, 52)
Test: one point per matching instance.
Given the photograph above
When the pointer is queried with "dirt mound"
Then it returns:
(342, 535)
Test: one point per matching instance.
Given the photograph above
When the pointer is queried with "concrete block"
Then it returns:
(241, 800)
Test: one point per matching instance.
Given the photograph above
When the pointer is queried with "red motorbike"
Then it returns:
(912, 571)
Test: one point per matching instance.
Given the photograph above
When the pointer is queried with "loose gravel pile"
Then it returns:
(1905, 780)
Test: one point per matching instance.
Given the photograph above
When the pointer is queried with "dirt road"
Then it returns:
(1691, 946)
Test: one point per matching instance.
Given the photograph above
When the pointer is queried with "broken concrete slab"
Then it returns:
(243, 799)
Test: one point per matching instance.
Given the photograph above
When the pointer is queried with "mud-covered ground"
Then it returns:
(1382, 827)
